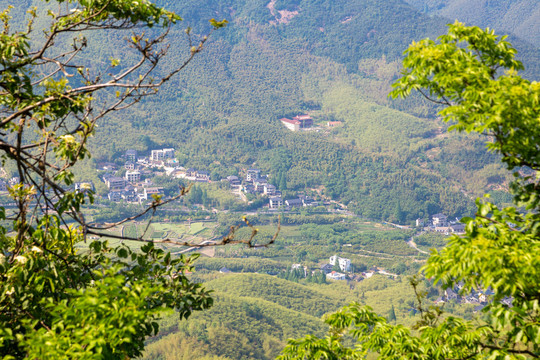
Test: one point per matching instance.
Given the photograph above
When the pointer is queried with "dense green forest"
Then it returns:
(255, 314)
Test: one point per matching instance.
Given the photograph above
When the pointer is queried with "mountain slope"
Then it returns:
(519, 17)
(333, 59)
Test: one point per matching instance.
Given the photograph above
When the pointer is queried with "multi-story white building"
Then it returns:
(275, 202)
(163, 154)
(133, 176)
(440, 220)
(115, 183)
(253, 174)
(344, 264)
(269, 190)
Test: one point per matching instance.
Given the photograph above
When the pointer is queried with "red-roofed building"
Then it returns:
(305, 120)
(298, 122)
(293, 125)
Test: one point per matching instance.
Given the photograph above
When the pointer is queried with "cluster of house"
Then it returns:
(345, 268)
(475, 297)
(130, 187)
(256, 183)
(298, 122)
(441, 223)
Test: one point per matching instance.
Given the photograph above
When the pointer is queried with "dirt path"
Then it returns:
(412, 244)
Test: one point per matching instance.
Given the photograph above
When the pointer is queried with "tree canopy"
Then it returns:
(64, 294)
(474, 74)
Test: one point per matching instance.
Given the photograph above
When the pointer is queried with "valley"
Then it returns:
(283, 119)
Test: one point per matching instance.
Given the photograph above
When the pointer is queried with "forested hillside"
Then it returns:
(519, 17)
(255, 314)
(332, 59)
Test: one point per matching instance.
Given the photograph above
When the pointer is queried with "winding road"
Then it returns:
(412, 244)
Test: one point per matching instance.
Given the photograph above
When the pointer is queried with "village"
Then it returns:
(136, 186)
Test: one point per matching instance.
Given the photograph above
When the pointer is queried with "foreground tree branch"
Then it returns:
(500, 249)
(56, 301)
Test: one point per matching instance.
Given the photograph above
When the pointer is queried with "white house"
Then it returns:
(163, 154)
(253, 174)
(269, 190)
(133, 176)
(439, 220)
(344, 264)
(275, 202)
(336, 276)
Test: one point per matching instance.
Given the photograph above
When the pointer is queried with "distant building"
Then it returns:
(131, 156)
(305, 120)
(333, 123)
(336, 276)
(133, 176)
(326, 268)
(269, 190)
(450, 294)
(252, 174)
(114, 196)
(344, 264)
(115, 183)
(148, 192)
(294, 203)
(419, 222)
(163, 154)
(191, 174)
(458, 228)
(129, 195)
(109, 166)
(275, 202)
(298, 122)
(439, 220)
(443, 229)
(293, 125)
(202, 176)
(306, 201)
(84, 186)
(233, 180)
(259, 184)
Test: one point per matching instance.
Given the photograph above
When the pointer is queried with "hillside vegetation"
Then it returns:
(254, 315)
(332, 59)
(519, 17)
